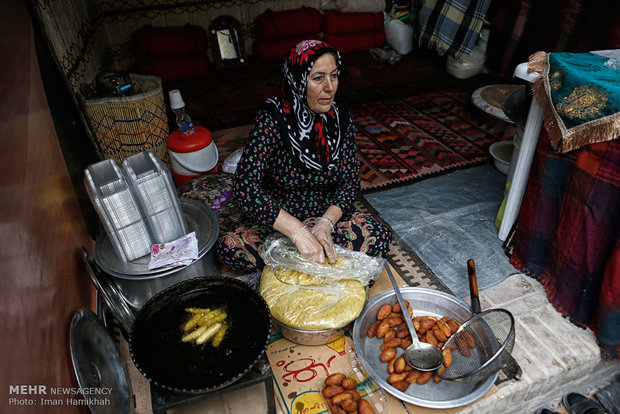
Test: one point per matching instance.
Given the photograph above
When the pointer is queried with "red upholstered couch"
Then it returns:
(349, 32)
(277, 32)
(171, 52)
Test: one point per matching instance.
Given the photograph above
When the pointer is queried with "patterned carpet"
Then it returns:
(402, 140)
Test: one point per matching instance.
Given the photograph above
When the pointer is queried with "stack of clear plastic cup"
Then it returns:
(118, 210)
(152, 185)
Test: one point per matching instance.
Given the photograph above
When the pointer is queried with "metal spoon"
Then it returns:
(419, 355)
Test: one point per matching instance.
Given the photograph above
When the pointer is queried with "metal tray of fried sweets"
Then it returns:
(426, 302)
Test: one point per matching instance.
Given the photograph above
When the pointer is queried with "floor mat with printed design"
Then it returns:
(405, 139)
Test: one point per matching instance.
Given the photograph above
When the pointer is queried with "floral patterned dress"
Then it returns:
(268, 179)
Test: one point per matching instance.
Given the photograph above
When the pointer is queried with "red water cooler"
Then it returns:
(192, 155)
(191, 148)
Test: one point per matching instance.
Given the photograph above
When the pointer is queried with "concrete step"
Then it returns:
(555, 355)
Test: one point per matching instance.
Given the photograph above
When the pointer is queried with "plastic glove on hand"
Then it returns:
(322, 231)
(309, 247)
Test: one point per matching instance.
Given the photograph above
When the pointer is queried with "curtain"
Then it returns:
(568, 235)
(450, 26)
(522, 27)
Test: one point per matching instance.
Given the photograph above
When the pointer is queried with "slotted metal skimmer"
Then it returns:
(482, 344)
(480, 347)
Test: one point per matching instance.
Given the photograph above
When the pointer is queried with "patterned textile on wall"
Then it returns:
(70, 31)
(522, 27)
(451, 26)
(580, 96)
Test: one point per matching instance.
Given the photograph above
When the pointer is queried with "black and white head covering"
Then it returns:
(314, 139)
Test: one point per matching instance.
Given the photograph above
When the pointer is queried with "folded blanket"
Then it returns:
(451, 26)
(580, 96)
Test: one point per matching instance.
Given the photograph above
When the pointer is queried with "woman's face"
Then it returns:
(322, 83)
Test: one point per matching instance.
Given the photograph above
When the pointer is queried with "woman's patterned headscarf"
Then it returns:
(313, 138)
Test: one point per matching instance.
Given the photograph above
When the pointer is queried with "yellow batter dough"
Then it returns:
(306, 302)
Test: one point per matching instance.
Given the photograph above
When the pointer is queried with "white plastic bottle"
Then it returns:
(184, 122)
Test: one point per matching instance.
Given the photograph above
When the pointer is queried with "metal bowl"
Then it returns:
(313, 337)
(445, 394)
(164, 359)
(307, 337)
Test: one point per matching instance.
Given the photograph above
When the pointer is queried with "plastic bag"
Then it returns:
(280, 252)
(382, 55)
(469, 65)
(230, 163)
(399, 35)
(313, 307)
(311, 296)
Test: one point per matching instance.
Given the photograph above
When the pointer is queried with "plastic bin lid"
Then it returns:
(201, 138)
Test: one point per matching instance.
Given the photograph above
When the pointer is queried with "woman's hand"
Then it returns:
(322, 231)
(313, 244)
(308, 246)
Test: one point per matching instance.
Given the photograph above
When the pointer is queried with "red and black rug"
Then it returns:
(402, 140)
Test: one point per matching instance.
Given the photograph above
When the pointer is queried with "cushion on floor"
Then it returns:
(278, 48)
(351, 42)
(350, 32)
(165, 42)
(278, 31)
(271, 25)
(171, 53)
(337, 22)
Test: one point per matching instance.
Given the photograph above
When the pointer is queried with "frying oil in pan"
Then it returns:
(171, 363)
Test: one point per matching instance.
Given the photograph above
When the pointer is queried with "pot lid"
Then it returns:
(98, 365)
(200, 218)
(111, 295)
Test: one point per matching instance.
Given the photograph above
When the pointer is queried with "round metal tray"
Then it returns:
(200, 218)
(445, 394)
(98, 363)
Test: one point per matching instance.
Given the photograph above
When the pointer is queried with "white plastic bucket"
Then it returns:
(186, 165)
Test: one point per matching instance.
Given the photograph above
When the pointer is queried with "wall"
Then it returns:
(42, 278)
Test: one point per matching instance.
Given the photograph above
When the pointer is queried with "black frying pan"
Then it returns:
(160, 355)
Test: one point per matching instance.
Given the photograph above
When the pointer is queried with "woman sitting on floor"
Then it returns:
(299, 172)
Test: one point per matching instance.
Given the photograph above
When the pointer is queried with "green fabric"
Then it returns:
(583, 88)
